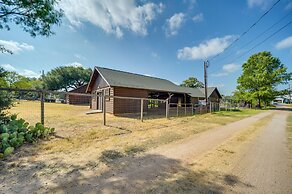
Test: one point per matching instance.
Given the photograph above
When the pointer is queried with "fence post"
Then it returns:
(185, 109)
(192, 109)
(167, 108)
(210, 107)
(177, 109)
(104, 109)
(142, 107)
(42, 108)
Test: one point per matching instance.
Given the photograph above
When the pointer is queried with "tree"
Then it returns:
(192, 82)
(35, 17)
(5, 97)
(262, 73)
(66, 77)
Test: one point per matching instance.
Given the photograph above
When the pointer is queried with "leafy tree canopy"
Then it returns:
(262, 73)
(66, 77)
(192, 82)
(5, 99)
(34, 16)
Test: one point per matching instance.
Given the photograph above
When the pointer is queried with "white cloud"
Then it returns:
(227, 69)
(174, 23)
(23, 72)
(29, 73)
(206, 49)
(288, 6)
(8, 67)
(16, 47)
(198, 18)
(112, 16)
(259, 3)
(286, 43)
(74, 64)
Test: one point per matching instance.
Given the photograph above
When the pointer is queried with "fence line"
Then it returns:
(141, 106)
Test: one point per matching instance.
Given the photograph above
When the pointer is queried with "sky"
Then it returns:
(166, 39)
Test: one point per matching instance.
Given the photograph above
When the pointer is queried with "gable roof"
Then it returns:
(132, 80)
(117, 78)
(194, 92)
(80, 89)
(210, 90)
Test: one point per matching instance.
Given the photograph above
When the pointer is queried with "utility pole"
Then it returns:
(206, 65)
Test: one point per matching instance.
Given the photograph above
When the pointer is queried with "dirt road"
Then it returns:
(205, 141)
(264, 164)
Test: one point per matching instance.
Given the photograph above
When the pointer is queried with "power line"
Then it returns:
(245, 32)
(259, 35)
(260, 43)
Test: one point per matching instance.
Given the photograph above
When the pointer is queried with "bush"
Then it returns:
(15, 132)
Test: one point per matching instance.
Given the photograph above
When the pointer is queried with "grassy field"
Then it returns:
(75, 129)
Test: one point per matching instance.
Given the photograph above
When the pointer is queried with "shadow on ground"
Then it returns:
(144, 174)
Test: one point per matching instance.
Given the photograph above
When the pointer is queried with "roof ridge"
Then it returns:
(135, 74)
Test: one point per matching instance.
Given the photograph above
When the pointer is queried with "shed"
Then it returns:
(125, 84)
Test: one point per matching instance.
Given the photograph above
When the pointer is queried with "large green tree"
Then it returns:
(192, 82)
(5, 97)
(261, 75)
(34, 16)
(66, 77)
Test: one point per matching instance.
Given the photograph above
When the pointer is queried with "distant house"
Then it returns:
(82, 99)
(125, 84)
(282, 99)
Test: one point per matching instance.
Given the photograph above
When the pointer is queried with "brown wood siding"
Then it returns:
(110, 101)
(101, 85)
(79, 99)
(214, 97)
(194, 100)
(129, 106)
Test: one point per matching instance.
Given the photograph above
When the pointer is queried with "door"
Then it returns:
(99, 101)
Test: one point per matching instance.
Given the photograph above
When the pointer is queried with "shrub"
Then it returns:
(15, 132)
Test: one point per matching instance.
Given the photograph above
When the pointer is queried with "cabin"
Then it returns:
(125, 84)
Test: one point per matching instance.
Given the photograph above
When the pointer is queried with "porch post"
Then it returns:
(185, 104)
(104, 108)
(167, 108)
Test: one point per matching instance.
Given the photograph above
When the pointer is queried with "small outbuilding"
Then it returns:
(125, 84)
(78, 96)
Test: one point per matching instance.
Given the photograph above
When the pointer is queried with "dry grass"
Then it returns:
(83, 146)
(78, 134)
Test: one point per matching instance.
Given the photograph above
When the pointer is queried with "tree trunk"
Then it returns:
(259, 103)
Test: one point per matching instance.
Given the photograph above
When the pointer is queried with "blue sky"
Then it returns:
(167, 39)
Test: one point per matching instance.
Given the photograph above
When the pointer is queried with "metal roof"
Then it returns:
(132, 80)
